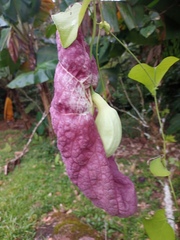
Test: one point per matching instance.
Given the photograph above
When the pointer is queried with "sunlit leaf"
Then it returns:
(163, 67)
(151, 76)
(83, 10)
(158, 228)
(170, 138)
(144, 74)
(158, 169)
(68, 22)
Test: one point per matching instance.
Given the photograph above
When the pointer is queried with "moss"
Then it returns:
(74, 227)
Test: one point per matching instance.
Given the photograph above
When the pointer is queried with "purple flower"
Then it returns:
(78, 140)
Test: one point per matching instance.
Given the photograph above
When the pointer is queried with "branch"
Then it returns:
(141, 119)
(15, 161)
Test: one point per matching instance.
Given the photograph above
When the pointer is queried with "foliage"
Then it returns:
(151, 78)
(146, 23)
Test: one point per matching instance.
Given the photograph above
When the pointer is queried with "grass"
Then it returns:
(38, 185)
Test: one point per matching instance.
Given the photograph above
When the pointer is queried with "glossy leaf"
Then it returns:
(151, 76)
(158, 169)
(158, 228)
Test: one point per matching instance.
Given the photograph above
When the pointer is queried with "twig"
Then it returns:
(15, 161)
(132, 105)
(143, 123)
(23, 92)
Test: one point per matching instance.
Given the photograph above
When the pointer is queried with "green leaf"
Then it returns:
(50, 30)
(68, 22)
(109, 11)
(6, 61)
(127, 14)
(147, 31)
(170, 139)
(154, 16)
(151, 76)
(158, 169)
(45, 71)
(144, 74)
(174, 126)
(22, 80)
(4, 37)
(152, 3)
(65, 4)
(83, 10)
(42, 73)
(46, 54)
(25, 10)
(163, 67)
(158, 228)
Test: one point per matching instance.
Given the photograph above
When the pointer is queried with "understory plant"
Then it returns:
(82, 141)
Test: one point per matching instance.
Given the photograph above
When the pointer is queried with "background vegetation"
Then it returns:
(28, 57)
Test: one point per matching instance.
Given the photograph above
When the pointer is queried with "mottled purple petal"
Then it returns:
(77, 137)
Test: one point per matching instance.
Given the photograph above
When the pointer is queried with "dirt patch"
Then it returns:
(18, 124)
(63, 226)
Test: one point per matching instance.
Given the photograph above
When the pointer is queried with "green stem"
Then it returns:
(132, 54)
(100, 9)
(97, 60)
(161, 131)
(173, 192)
(94, 28)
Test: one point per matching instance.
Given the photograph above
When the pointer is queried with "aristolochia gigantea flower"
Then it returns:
(87, 164)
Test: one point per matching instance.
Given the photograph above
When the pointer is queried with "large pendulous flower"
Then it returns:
(77, 136)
